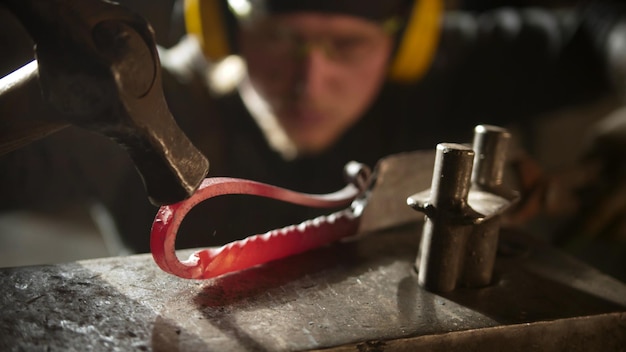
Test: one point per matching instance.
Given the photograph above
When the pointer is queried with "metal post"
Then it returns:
(490, 145)
(448, 221)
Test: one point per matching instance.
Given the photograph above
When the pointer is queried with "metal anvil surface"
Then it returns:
(356, 296)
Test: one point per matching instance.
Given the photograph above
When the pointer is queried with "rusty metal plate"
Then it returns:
(397, 177)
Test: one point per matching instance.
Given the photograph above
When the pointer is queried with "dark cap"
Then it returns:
(375, 10)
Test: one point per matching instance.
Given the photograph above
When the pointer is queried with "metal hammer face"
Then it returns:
(98, 65)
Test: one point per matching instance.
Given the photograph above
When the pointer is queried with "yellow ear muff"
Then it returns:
(418, 45)
(203, 19)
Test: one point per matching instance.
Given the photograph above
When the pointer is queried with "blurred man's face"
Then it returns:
(318, 73)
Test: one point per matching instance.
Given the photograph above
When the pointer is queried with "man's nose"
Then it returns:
(318, 72)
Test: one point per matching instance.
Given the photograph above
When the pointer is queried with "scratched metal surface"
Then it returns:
(351, 294)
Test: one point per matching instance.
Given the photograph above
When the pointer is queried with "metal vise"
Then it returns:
(463, 207)
(98, 67)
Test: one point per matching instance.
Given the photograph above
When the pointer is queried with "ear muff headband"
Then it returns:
(414, 55)
(419, 42)
(203, 19)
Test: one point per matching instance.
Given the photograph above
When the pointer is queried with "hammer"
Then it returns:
(98, 67)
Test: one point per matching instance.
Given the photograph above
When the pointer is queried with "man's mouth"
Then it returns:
(304, 117)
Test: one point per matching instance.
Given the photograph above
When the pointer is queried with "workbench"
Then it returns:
(360, 295)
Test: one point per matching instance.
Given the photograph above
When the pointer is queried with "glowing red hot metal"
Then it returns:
(258, 249)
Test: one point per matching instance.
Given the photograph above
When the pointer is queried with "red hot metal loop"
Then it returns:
(257, 249)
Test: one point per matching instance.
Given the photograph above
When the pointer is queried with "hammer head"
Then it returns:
(99, 66)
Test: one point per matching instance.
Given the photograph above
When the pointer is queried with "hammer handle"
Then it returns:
(26, 117)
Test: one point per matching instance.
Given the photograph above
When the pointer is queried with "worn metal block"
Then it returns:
(357, 296)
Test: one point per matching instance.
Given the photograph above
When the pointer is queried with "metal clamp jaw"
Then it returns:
(98, 65)
(463, 208)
